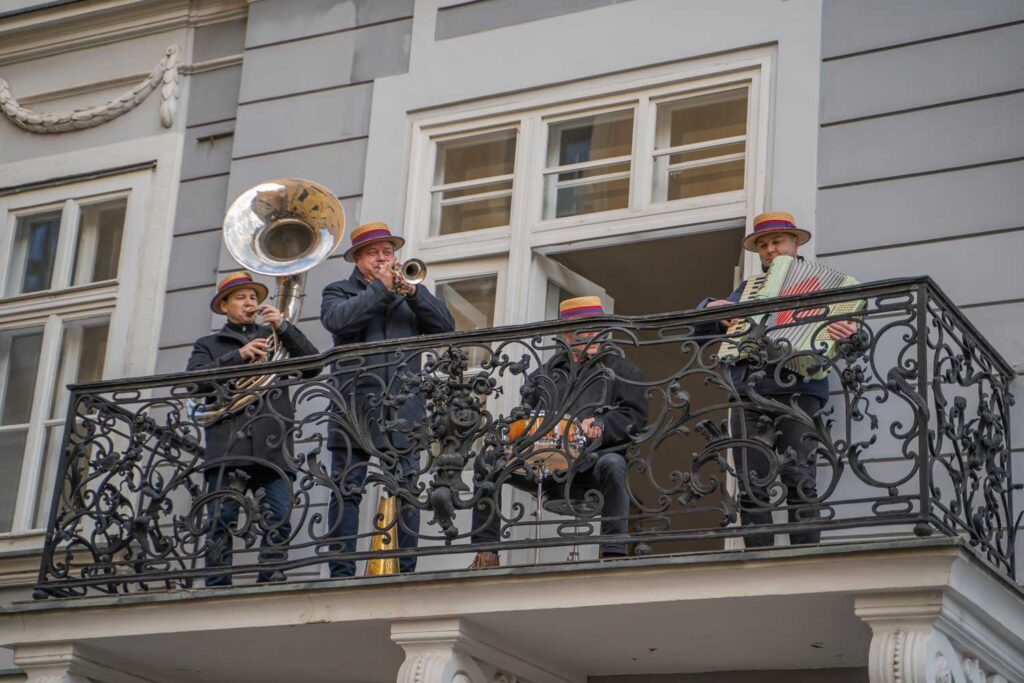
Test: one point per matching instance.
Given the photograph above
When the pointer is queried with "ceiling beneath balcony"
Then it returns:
(768, 633)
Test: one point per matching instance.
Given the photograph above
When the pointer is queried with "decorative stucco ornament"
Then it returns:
(165, 75)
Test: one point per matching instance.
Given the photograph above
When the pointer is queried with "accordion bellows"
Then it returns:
(809, 343)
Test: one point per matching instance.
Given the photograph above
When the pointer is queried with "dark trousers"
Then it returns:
(796, 471)
(352, 466)
(272, 517)
(608, 475)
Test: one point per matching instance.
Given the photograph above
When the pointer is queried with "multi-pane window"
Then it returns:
(472, 187)
(700, 145)
(54, 250)
(588, 164)
(667, 148)
(51, 250)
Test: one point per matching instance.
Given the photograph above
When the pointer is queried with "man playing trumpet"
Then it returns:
(250, 449)
(375, 303)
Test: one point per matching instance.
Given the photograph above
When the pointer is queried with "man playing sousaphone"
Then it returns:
(604, 393)
(248, 449)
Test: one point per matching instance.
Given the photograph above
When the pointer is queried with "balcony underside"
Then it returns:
(790, 608)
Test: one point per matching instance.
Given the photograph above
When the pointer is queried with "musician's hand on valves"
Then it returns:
(254, 350)
(384, 273)
(842, 329)
(271, 316)
(591, 429)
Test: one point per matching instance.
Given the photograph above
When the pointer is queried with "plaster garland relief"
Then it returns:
(165, 75)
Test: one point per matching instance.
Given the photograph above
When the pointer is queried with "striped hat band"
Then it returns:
(365, 234)
(235, 281)
(579, 307)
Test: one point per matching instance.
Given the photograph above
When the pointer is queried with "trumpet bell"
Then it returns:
(283, 226)
(414, 271)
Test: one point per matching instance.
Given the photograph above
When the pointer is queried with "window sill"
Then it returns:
(37, 305)
(16, 543)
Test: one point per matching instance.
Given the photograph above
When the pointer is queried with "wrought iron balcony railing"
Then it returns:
(913, 439)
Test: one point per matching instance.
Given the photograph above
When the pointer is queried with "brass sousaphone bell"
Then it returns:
(282, 227)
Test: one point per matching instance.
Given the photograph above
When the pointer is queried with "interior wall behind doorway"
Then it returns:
(660, 276)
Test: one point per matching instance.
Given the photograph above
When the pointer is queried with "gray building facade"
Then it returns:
(889, 128)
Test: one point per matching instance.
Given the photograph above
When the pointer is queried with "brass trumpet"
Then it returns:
(407, 275)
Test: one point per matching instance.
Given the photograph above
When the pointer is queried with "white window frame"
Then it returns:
(115, 300)
(530, 112)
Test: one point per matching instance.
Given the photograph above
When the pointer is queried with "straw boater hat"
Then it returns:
(234, 282)
(774, 222)
(579, 307)
(368, 233)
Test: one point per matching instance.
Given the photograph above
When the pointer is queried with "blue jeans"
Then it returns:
(353, 465)
(274, 518)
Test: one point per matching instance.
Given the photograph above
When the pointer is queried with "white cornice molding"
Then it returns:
(81, 25)
(164, 75)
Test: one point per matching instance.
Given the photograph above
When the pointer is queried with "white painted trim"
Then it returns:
(31, 466)
(640, 92)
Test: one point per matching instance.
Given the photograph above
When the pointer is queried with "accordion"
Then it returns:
(809, 342)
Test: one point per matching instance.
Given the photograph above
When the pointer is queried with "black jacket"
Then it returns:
(355, 312)
(604, 386)
(266, 436)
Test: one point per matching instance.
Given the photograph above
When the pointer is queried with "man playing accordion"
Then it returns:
(787, 442)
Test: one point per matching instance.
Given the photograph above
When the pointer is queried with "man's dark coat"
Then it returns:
(250, 439)
(356, 312)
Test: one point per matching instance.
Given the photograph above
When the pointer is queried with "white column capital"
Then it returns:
(451, 650)
(932, 637)
(67, 663)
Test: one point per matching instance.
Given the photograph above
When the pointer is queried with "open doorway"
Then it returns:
(659, 276)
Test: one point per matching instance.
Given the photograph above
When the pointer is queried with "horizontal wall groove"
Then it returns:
(999, 302)
(919, 174)
(208, 123)
(172, 347)
(191, 288)
(347, 29)
(197, 231)
(205, 177)
(300, 93)
(923, 107)
(301, 147)
(921, 41)
(915, 243)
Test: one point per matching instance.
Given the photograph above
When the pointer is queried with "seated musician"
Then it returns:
(776, 234)
(611, 407)
(248, 449)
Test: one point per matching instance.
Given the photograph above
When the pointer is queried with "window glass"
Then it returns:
(82, 352)
(24, 347)
(83, 349)
(588, 164)
(700, 145)
(12, 446)
(471, 302)
(34, 253)
(98, 250)
(473, 183)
